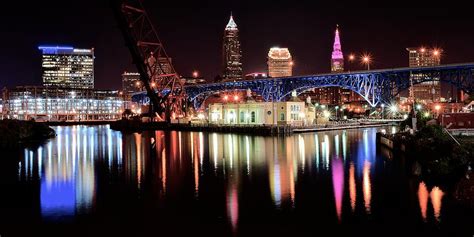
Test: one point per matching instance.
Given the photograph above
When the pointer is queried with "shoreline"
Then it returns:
(262, 130)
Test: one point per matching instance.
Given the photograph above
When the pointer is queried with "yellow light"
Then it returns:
(226, 97)
(436, 52)
(137, 83)
(326, 114)
(437, 107)
(422, 50)
(426, 114)
(153, 84)
(291, 63)
(236, 97)
(201, 116)
(195, 74)
(351, 57)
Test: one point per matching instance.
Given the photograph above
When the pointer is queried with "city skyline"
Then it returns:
(21, 62)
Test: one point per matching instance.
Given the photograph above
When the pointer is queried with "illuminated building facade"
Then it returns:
(429, 91)
(131, 83)
(255, 75)
(58, 104)
(333, 95)
(67, 67)
(280, 62)
(251, 112)
(232, 54)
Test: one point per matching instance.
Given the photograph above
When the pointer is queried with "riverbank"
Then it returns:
(262, 130)
(16, 133)
(435, 154)
(72, 123)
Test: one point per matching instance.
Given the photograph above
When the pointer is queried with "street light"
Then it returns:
(195, 74)
(337, 108)
(236, 97)
(437, 108)
(226, 97)
(366, 60)
(351, 57)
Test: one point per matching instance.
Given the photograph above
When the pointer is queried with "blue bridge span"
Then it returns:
(375, 86)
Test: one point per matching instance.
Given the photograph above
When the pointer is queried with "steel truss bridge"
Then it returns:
(376, 86)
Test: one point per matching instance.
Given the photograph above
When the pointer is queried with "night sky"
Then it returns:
(192, 34)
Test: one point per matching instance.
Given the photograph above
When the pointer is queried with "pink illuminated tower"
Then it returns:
(337, 59)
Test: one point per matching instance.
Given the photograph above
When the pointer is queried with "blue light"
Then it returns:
(55, 49)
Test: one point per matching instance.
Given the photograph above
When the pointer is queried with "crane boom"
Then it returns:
(148, 54)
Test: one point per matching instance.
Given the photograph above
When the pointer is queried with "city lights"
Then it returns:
(326, 114)
(393, 108)
(366, 59)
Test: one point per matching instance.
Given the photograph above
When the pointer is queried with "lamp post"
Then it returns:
(337, 108)
(383, 108)
(366, 60)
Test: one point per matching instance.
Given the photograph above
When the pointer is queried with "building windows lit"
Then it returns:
(67, 67)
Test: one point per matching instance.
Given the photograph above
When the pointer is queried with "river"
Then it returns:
(93, 181)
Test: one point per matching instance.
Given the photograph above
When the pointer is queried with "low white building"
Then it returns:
(250, 112)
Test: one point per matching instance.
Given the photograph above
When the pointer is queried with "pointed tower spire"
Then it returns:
(337, 51)
(337, 58)
(231, 25)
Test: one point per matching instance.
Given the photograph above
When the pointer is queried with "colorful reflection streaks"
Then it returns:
(425, 196)
(65, 168)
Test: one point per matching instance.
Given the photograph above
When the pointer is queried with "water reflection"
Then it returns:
(66, 170)
(223, 171)
(436, 197)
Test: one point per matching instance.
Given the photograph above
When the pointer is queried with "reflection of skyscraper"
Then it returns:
(232, 53)
(337, 167)
(280, 63)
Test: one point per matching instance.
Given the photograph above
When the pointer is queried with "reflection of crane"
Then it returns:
(148, 54)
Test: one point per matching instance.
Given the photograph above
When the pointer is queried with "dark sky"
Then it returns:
(192, 33)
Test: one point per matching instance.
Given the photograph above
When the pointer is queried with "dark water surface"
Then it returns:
(92, 181)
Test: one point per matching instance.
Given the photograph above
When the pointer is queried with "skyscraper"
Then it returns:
(428, 91)
(337, 58)
(232, 54)
(131, 83)
(67, 67)
(280, 63)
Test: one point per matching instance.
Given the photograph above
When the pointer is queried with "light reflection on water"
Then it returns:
(68, 169)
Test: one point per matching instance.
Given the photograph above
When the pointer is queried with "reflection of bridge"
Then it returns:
(376, 86)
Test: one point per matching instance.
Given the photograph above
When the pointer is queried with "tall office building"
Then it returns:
(337, 58)
(429, 91)
(131, 83)
(232, 54)
(67, 67)
(280, 63)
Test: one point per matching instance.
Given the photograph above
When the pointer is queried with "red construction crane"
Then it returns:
(162, 83)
